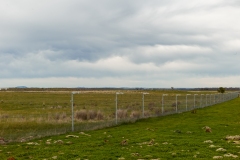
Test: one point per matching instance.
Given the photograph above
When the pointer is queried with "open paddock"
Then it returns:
(30, 114)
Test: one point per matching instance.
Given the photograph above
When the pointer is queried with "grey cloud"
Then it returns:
(119, 38)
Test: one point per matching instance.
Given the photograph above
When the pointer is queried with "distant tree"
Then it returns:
(221, 90)
(172, 88)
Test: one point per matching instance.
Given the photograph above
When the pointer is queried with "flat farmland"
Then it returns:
(175, 136)
(34, 114)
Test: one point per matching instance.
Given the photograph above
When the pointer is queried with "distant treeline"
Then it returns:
(112, 88)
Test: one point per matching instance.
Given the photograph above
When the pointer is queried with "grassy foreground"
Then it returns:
(178, 136)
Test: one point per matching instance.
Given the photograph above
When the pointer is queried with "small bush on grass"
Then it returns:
(158, 112)
(60, 116)
(88, 115)
(147, 114)
(176, 104)
(92, 114)
(122, 113)
(4, 116)
(135, 114)
(100, 115)
(81, 115)
(151, 106)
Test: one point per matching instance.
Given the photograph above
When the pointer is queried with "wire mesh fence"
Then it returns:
(24, 116)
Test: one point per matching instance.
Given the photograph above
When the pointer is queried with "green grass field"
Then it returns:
(178, 136)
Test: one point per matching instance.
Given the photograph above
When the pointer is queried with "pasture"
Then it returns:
(176, 136)
(34, 114)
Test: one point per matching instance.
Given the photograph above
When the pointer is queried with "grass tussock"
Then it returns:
(81, 115)
(147, 114)
(4, 116)
(122, 113)
(60, 116)
(100, 115)
(135, 114)
(158, 112)
(84, 115)
(92, 114)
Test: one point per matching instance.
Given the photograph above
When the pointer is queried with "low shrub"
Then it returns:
(122, 113)
(147, 114)
(135, 114)
(81, 115)
(158, 111)
(92, 114)
(176, 104)
(60, 116)
(100, 115)
(4, 116)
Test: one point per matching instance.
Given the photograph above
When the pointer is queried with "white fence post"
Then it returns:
(73, 110)
(194, 101)
(143, 103)
(177, 102)
(116, 106)
(163, 102)
(187, 100)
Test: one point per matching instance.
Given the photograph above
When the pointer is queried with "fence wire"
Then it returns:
(24, 116)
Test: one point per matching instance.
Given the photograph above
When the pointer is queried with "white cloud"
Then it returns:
(125, 43)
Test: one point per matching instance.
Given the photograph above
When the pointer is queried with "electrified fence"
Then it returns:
(28, 115)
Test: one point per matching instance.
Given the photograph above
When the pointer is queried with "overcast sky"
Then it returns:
(124, 43)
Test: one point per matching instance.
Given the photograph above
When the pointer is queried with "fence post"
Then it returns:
(187, 100)
(201, 100)
(72, 113)
(206, 100)
(116, 109)
(210, 99)
(73, 110)
(214, 99)
(163, 102)
(177, 102)
(116, 105)
(143, 103)
(194, 100)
